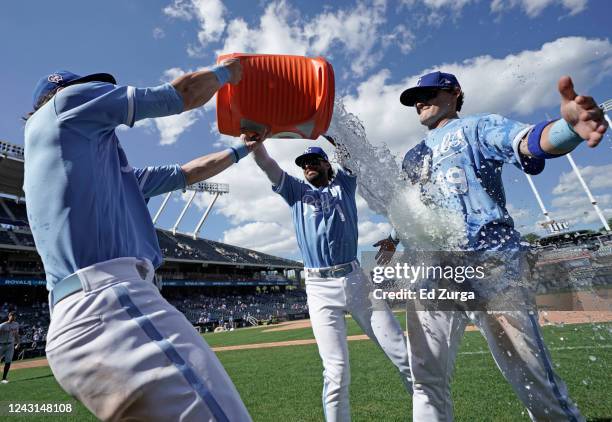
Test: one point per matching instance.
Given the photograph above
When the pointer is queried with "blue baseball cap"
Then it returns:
(311, 152)
(63, 78)
(427, 82)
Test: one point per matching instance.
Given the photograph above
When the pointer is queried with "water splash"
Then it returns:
(387, 193)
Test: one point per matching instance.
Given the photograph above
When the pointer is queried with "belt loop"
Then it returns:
(50, 303)
(84, 279)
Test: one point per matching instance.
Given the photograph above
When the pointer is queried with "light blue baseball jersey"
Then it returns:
(325, 219)
(459, 167)
(85, 203)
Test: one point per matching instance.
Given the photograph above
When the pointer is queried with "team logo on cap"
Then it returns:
(55, 78)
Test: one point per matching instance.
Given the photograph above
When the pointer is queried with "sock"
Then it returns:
(7, 366)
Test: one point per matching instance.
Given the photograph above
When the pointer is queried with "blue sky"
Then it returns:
(508, 56)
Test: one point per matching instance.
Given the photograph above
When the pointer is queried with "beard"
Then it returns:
(317, 178)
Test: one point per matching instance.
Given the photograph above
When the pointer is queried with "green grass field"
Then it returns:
(284, 383)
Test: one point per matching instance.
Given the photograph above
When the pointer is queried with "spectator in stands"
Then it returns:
(87, 208)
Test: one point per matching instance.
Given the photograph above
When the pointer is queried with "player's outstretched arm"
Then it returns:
(582, 120)
(197, 88)
(207, 166)
(268, 165)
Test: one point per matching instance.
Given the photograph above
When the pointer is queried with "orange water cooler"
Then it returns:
(289, 96)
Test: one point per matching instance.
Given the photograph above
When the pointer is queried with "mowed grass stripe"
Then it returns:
(285, 383)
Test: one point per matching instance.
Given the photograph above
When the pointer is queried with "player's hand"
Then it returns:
(253, 140)
(385, 252)
(582, 113)
(235, 68)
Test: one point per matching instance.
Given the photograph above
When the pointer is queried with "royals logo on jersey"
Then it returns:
(322, 203)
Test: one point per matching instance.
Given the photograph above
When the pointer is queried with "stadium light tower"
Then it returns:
(606, 106)
(538, 198)
(216, 189)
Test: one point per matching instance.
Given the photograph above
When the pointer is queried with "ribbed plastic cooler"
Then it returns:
(290, 96)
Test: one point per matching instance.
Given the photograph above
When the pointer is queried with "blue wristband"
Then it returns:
(562, 137)
(222, 73)
(240, 151)
(533, 141)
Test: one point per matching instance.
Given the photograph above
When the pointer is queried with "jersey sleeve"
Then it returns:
(155, 181)
(109, 106)
(290, 188)
(347, 179)
(499, 137)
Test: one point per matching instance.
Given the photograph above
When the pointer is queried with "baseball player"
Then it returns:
(9, 341)
(458, 167)
(114, 342)
(325, 218)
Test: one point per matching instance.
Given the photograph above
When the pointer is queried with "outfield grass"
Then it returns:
(284, 383)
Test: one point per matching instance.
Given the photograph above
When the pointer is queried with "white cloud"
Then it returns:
(596, 177)
(577, 208)
(516, 84)
(370, 232)
(526, 220)
(171, 127)
(571, 203)
(266, 237)
(208, 13)
(180, 9)
(440, 4)
(279, 32)
(533, 8)
(158, 33)
(403, 37)
(355, 32)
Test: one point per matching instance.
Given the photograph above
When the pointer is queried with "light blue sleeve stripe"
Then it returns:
(158, 180)
(147, 326)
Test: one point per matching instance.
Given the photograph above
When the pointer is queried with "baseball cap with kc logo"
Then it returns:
(427, 82)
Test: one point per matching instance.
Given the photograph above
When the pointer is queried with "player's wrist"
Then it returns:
(534, 141)
(239, 151)
(562, 137)
(222, 73)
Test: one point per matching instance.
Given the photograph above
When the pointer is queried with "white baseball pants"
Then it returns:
(516, 343)
(124, 352)
(329, 299)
